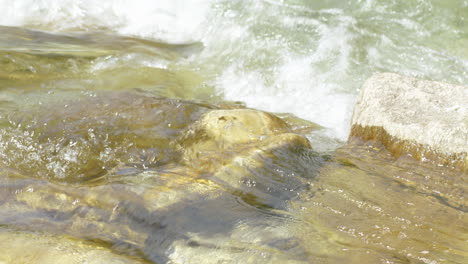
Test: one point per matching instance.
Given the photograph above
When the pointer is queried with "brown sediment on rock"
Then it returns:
(423, 118)
(399, 147)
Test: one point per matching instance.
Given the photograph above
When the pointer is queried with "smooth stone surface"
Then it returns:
(232, 130)
(424, 118)
(39, 248)
(237, 126)
(193, 183)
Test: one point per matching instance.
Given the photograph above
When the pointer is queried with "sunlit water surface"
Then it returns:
(102, 158)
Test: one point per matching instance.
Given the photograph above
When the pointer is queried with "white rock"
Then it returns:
(425, 113)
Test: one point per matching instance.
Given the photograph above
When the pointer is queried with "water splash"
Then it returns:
(299, 57)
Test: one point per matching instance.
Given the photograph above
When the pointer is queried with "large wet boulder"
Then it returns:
(230, 131)
(426, 119)
(153, 178)
(247, 149)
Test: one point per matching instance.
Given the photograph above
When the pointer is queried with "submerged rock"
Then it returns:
(93, 136)
(247, 148)
(426, 119)
(373, 209)
(237, 126)
(157, 179)
(82, 139)
(228, 131)
(39, 248)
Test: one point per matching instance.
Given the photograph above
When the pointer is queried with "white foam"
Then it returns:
(297, 92)
(167, 20)
(279, 56)
(306, 83)
(293, 83)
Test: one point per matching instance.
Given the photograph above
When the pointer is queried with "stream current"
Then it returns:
(109, 152)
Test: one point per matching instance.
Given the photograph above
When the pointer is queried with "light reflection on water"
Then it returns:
(93, 170)
(379, 208)
(357, 209)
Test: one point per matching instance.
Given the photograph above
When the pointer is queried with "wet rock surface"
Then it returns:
(82, 139)
(408, 212)
(129, 177)
(164, 181)
(119, 149)
(171, 182)
(43, 248)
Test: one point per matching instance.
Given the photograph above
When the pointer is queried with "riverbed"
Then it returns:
(216, 132)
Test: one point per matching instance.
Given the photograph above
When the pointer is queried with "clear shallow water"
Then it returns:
(98, 104)
(313, 55)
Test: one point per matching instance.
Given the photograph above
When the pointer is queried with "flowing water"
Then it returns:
(127, 135)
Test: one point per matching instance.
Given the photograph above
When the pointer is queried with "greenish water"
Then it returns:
(125, 135)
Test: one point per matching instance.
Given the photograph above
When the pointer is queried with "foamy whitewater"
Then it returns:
(298, 57)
